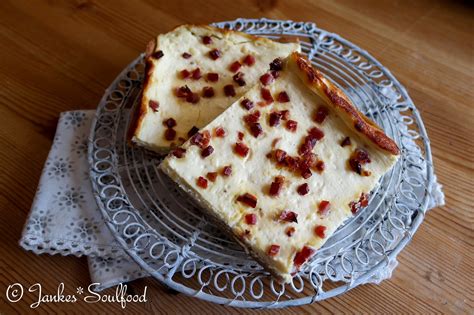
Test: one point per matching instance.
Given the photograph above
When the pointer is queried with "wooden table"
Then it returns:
(61, 55)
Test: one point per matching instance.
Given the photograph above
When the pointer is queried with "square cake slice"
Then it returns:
(285, 165)
(192, 75)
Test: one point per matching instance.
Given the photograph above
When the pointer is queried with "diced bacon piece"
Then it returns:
(320, 230)
(207, 151)
(283, 97)
(251, 219)
(247, 104)
(266, 95)
(206, 40)
(241, 149)
(186, 55)
(212, 176)
(229, 90)
(323, 207)
(321, 114)
(220, 132)
(212, 77)
(291, 125)
(207, 92)
(273, 250)
(248, 199)
(239, 78)
(179, 152)
(302, 256)
(235, 66)
(288, 216)
(201, 182)
(214, 54)
(267, 78)
(249, 60)
(170, 134)
(227, 170)
(303, 189)
(153, 105)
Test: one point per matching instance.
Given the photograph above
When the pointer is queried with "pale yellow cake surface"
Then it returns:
(165, 78)
(253, 174)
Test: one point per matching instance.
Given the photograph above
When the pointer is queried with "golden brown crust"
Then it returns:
(337, 98)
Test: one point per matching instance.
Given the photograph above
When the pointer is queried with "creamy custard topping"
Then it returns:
(273, 235)
(189, 48)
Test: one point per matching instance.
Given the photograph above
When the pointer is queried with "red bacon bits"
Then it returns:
(320, 166)
(201, 139)
(303, 189)
(364, 200)
(321, 114)
(207, 151)
(252, 117)
(283, 97)
(302, 256)
(358, 158)
(276, 186)
(285, 114)
(320, 230)
(192, 131)
(251, 219)
(323, 207)
(196, 74)
(239, 78)
(275, 118)
(208, 92)
(247, 104)
(214, 54)
(248, 199)
(249, 60)
(276, 65)
(170, 134)
(280, 155)
(307, 145)
(273, 250)
(157, 54)
(227, 170)
(314, 134)
(291, 125)
(183, 91)
(288, 216)
(267, 78)
(290, 231)
(241, 149)
(266, 95)
(184, 74)
(211, 176)
(229, 90)
(252, 122)
(306, 173)
(154, 105)
(201, 182)
(219, 132)
(186, 55)
(206, 40)
(354, 207)
(170, 122)
(235, 66)
(212, 77)
(193, 98)
(345, 142)
(179, 152)
(240, 135)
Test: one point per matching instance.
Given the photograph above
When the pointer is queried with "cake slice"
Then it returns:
(193, 74)
(285, 165)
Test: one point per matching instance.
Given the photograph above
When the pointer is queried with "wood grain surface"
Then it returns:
(61, 55)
